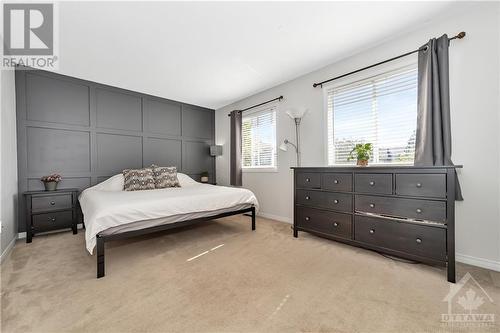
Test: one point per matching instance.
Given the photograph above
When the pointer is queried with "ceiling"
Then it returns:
(212, 54)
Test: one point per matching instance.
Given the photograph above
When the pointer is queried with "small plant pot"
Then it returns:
(204, 179)
(362, 163)
(50, 186)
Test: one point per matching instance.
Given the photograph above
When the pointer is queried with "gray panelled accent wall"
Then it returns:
(88, 132)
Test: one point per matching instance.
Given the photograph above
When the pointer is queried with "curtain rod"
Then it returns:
(256, 105)
(459, 36)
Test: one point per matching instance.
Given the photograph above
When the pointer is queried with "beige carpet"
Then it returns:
(262, 281)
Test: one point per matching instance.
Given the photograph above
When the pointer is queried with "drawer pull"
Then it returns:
(335, 181)
(307, 218)
(372, 205)
(308, 180)
(372, 231)
(308, 197)
(418, 240)
(53, 219)
(335, 201)
(52, 203)
(419, 210)
(372, 183)
(419, 185)
(335, 224)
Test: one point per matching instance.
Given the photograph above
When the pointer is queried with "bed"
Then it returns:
(111, 213)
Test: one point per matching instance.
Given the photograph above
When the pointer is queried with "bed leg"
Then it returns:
(100, 257)
(253, 218)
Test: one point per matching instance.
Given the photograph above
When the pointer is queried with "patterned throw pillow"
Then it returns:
(165, 177)
(138, 179)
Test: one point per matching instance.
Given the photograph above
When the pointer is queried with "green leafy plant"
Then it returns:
(362, 152)
(204, 174)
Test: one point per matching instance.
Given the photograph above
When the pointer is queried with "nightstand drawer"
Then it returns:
(51, 202)
(52, 221)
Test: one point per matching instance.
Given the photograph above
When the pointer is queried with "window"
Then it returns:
(259, 139)
(381, 110)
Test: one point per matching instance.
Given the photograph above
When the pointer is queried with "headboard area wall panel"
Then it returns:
(89, 132)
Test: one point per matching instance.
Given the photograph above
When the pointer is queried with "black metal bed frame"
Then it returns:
(101, 239)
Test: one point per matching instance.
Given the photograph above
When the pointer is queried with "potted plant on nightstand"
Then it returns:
(204, 177)
(50, 182)
(363, 152)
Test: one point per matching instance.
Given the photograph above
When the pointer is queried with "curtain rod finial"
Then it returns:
(461, 35)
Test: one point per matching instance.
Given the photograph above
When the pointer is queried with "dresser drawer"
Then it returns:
(424, 241)
(373, 183)
(308, 180)
(407, 208)
(51, 221)
(332, 223)
(421, 185)
(310, 198)
(336, 201)
(51, 202)
(341, 182)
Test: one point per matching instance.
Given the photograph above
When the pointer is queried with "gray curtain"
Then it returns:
(235, 159)
(433, 137)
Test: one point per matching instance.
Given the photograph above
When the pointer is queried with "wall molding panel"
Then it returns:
(88, 132)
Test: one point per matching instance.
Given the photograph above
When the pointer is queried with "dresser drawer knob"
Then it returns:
(53, 219)
(419, 185)
(335, 224)
(418, 240)
(52, 203)
(335, 181)
(372, 205)
(307, 218)
(335, 201)
(308, 197)
(372, 231)
(308, 180)
(419, 211)
(372, 183)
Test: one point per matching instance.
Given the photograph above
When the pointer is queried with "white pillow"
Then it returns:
(114, 183)
(185, 180)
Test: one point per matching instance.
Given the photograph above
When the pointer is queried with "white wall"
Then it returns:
(8, 165)
(475, 84)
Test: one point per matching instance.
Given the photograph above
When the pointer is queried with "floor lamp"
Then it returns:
(296, 115)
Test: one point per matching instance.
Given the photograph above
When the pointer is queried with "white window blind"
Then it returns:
(259, 139)
(381, 110)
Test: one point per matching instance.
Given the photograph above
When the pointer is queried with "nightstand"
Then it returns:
(50, 210)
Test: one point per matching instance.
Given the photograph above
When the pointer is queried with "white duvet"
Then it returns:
(107, 205)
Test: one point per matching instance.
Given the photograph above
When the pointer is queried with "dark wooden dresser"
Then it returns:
(403, 211)
(50, 210)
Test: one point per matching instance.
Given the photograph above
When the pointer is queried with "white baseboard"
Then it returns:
(7, 250)
(479, 262)
(22, 235)
(275, 217)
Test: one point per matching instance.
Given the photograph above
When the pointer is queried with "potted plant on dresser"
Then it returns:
(363, 153)
(50, 182)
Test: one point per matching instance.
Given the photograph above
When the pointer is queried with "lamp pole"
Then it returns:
(297, 138)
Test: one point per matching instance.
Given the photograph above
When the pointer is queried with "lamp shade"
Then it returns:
(297, 112)
(216, 150)
(283, 146)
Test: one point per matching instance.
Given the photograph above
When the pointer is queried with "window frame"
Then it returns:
(258, 110)
(352, 79)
